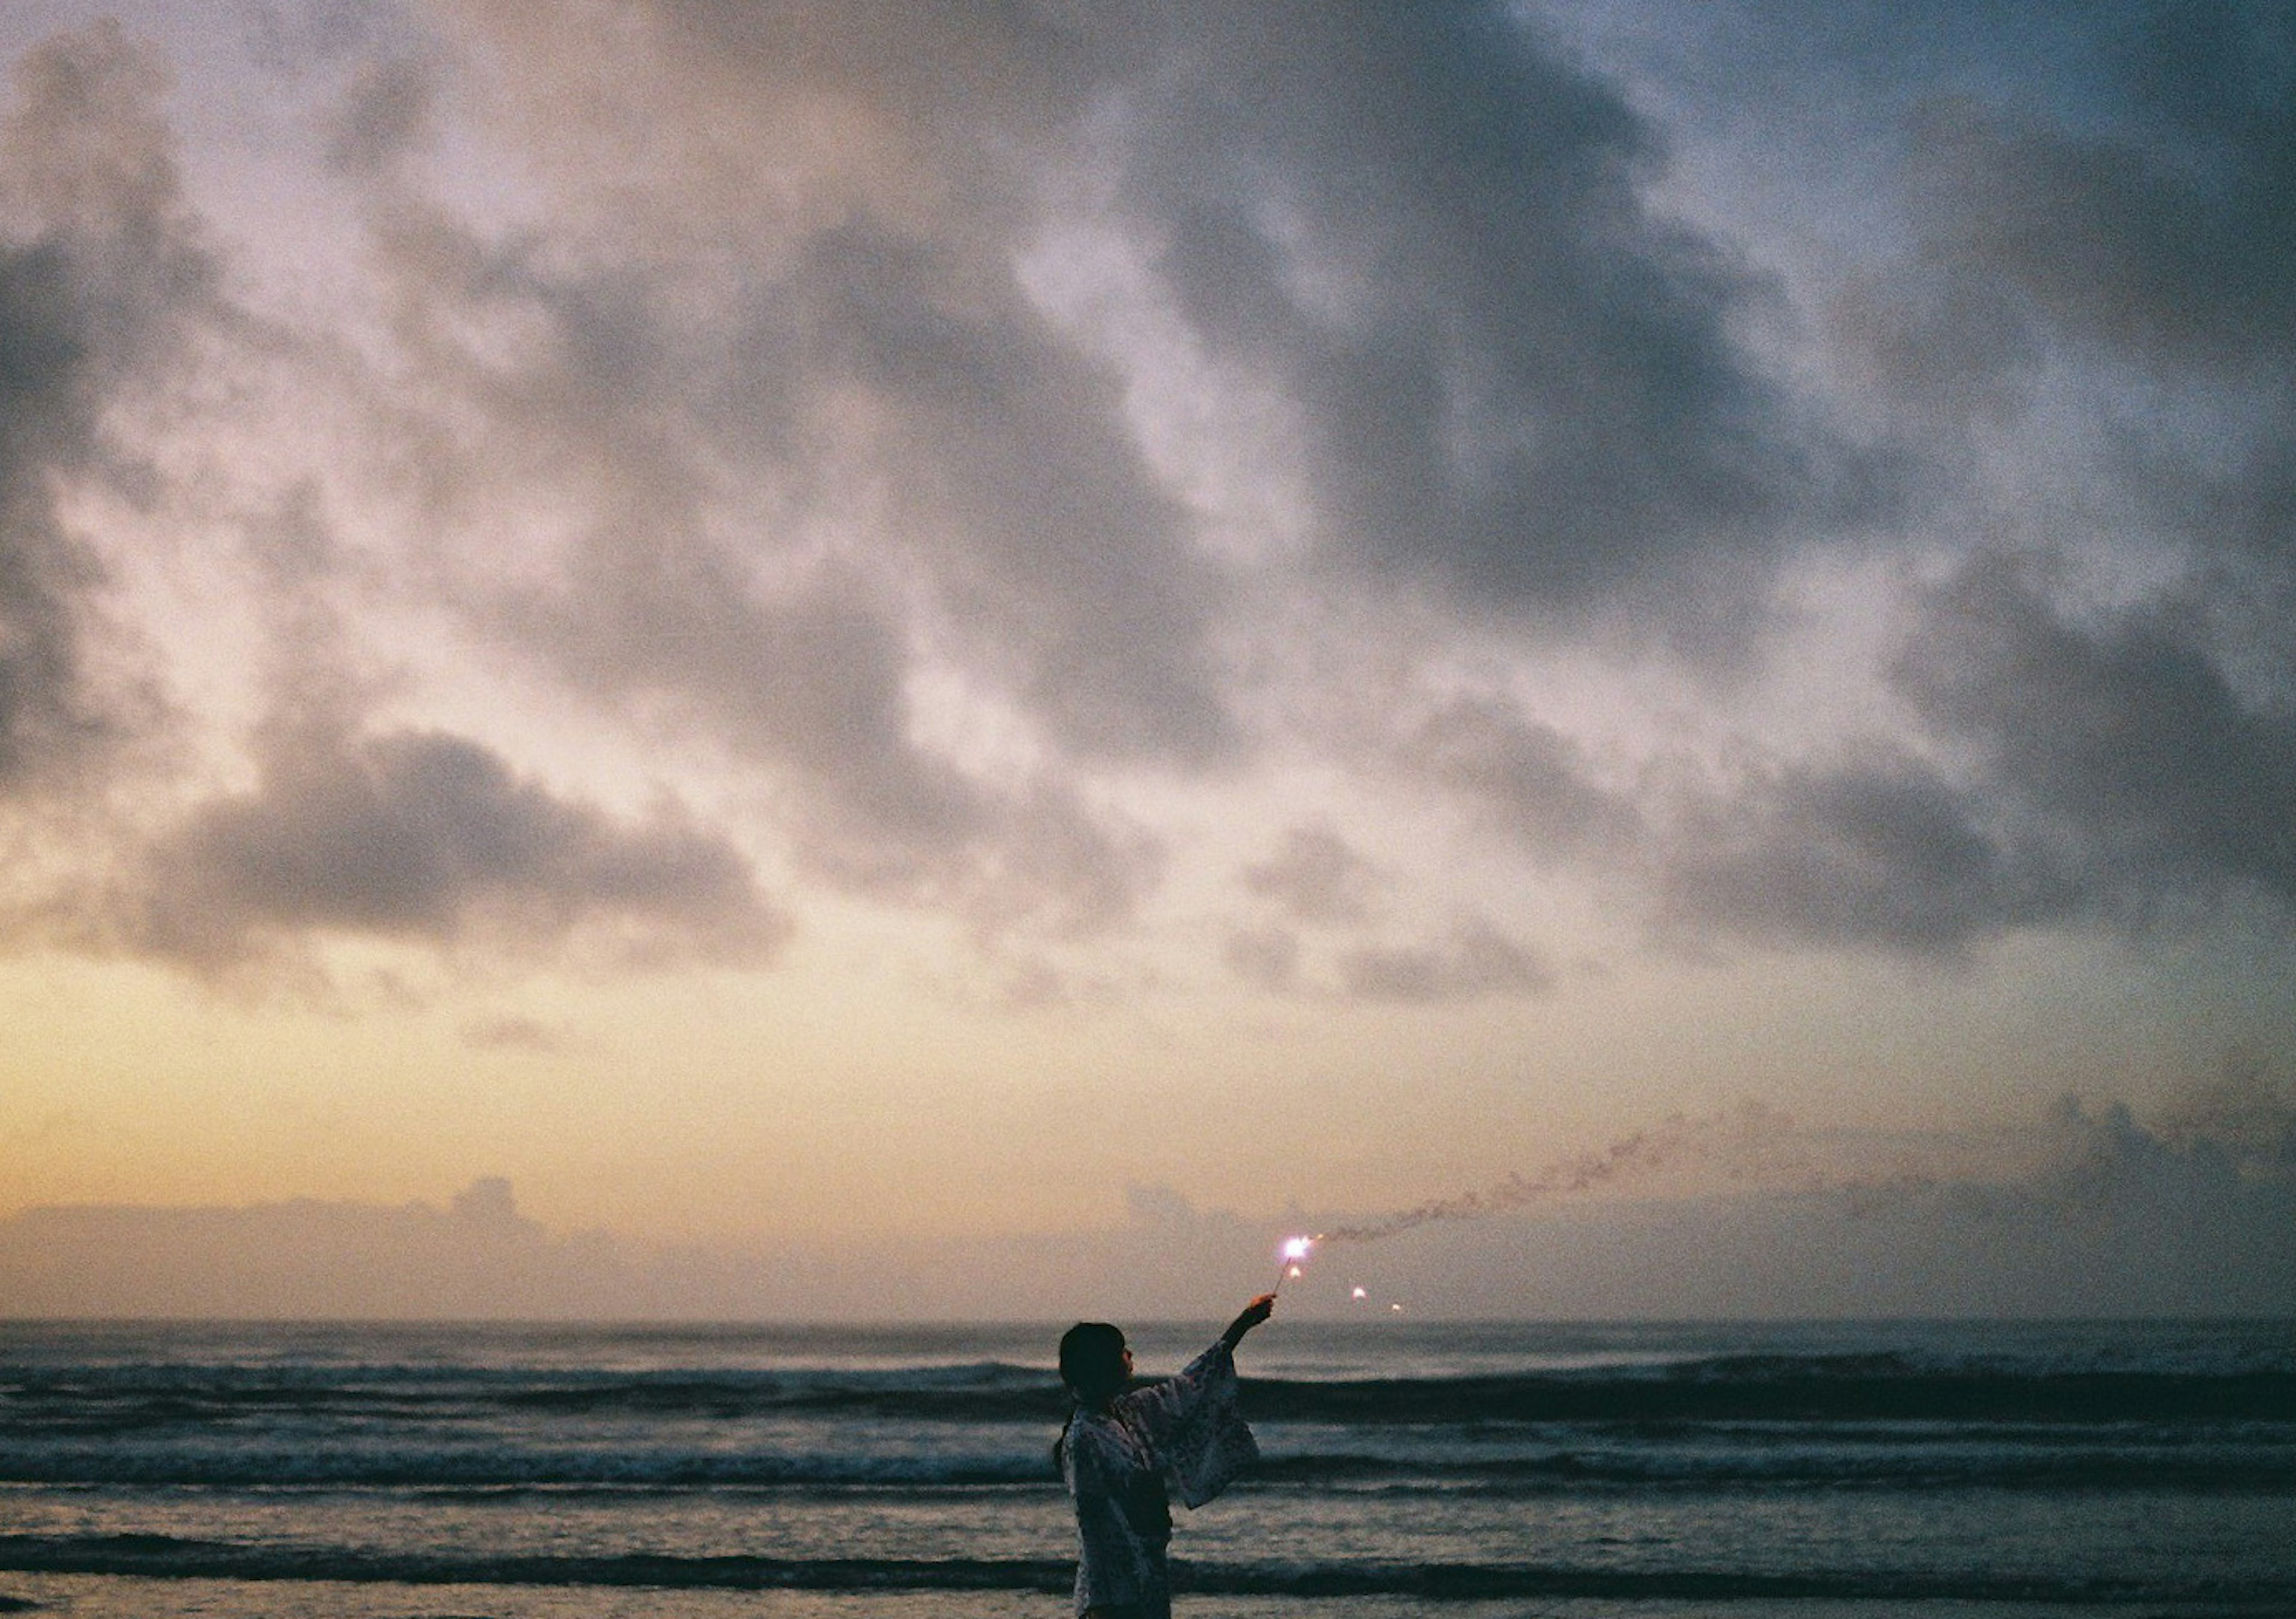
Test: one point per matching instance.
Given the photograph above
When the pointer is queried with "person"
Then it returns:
(1125, 1451)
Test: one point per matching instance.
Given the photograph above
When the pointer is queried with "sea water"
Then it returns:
(1817, 1470)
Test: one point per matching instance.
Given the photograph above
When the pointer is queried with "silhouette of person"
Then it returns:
(1126, 1449)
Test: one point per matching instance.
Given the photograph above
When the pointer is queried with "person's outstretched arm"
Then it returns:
(1156, 1408)
(1253, 1314)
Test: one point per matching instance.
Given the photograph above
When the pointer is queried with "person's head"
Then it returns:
(1094, 1362)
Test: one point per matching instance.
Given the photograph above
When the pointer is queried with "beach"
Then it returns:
(1645, 1470)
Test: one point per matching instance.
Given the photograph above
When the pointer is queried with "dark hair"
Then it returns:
(1092, 1364)
(1091, 1360)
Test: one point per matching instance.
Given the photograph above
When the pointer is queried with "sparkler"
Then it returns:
(1293, 1254)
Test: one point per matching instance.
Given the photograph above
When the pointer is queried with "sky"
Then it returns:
(865, 657)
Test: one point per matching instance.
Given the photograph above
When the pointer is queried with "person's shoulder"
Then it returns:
(1098, 1427)
(1094, 1446)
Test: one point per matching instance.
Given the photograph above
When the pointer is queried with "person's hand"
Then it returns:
(1254, 1313)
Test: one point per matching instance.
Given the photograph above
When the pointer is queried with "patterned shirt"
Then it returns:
(1183, 1435)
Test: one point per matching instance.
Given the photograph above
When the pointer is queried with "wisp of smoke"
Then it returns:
(1744, 1142)
(2241, 1123)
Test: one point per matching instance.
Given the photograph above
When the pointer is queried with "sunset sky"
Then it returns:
(870, 622)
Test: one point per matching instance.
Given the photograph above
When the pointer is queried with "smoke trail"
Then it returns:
(1746, 1142)
(2241, 1123)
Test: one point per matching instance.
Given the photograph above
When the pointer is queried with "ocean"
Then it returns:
(1625, 1471)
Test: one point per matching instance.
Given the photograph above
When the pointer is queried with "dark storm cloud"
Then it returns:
(2119, 733)
(1430, 236)
(430, 838)
(45, 709)
(1067, 558)
(97, 274)
(2116, 233)
(807, 454)
(2167, 234)
(1884, 853)
(2157, 229)
(1413, 224)
(2108, 773)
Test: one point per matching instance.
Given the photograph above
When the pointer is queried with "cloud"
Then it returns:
(46, 710)
(1314, 876)
(430, 839)
(811, 388)
(511, 1032)
(1315, 880)
(387, 112)
(99, 278)
(826, 467)
(1475, 960)
(2097, 768)
(1883, 853)
(2166, 237)
(1533, 782)
(2151, 237)
(2098, 693)
(1422, 235)
(2242, 1116)
(2115, 738)
(871, 337)
(1266, 957)
(818, 456)
(1430, 236)
(1021, 490)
